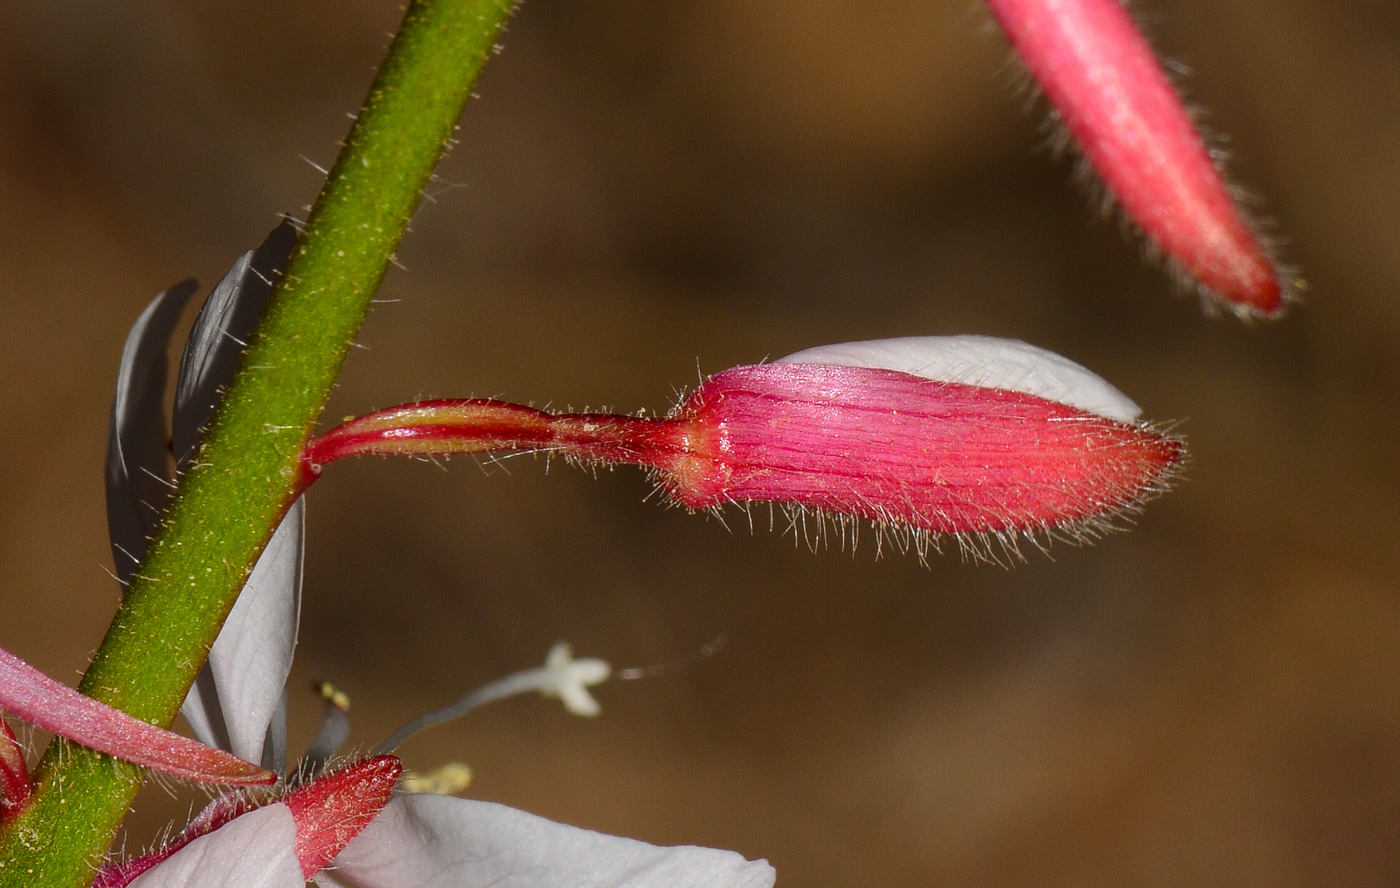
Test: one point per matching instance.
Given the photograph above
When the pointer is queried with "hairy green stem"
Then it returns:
(245, 475)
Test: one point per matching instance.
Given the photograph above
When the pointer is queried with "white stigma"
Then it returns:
(569, 679)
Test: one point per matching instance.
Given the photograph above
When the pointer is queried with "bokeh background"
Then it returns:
(645, 191)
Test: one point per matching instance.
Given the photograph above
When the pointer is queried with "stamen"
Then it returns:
(335, 729)
(274, 756)
(449, 779)
(561, 677)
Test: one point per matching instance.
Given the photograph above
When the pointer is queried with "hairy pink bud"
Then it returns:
(969, 436)
(899, 449)
(1103, 79)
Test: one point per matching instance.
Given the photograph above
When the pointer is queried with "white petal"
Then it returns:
(237, 696)
(255, 850)
(442, 842)
(201, 710)
(983, 361)
(137, 485)
(221, 332)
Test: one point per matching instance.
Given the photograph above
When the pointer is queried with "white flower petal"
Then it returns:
(442, 842)
(137, 476)
(256, 850)
(239, 692)
(221, 332)
(982, 361)
(202, 711)
(236, 695)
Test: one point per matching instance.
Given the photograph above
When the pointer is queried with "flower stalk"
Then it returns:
(199, 560)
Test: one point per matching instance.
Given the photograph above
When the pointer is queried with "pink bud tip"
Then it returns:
(942, 457)
(333, 809)
(1101, 75)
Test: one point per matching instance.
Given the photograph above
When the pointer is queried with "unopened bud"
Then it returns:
(965, 435)
(1111, 94)
(943, 457)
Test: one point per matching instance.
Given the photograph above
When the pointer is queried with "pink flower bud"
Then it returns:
(944, 457)
(1103, 79)
(969, 436)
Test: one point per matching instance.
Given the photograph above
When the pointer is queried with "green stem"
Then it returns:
(245, 475)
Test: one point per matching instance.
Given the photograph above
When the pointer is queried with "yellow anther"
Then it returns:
(449, 779)
(332, 695)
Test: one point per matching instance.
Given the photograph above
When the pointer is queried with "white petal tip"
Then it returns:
(982, 361)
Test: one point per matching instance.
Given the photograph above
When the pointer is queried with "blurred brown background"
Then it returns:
(647, 188)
